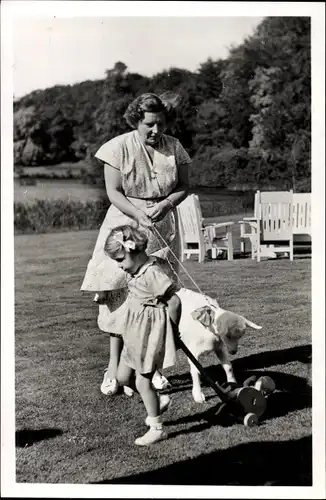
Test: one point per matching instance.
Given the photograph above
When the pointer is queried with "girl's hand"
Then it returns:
(159, 211)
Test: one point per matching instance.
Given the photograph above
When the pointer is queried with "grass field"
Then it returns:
(68, 432)
(56, 189)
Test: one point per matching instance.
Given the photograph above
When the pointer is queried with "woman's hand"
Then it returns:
(158, 211)
(143, 220)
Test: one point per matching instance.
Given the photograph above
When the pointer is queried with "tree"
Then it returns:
(60, 136)
(24, 119)
(280, 97)
(209, 83)
(27, 151)
(118, 70)
(244, 119)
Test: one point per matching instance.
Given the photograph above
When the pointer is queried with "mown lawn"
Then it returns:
(45, 189)
(68, 432)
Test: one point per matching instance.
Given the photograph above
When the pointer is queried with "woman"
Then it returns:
(146, 177)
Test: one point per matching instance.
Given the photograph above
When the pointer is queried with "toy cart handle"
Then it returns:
(221, 392)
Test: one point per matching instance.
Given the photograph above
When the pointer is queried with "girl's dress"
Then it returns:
(144, 320)
(144, 183)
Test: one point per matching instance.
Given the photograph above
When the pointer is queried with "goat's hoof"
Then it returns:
(199, 397)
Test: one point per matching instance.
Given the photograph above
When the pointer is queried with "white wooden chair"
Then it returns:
(274, 226)
(248, 228)
(302, 217)
(196, 237)
(301, 227)
(249, 225)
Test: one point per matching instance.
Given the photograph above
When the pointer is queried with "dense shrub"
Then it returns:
(45, 216)
(237, 204)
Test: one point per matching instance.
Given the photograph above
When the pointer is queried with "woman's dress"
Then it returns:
(144, 182)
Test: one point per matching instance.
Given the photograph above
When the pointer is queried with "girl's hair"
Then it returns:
(119, 240)
(152, 103)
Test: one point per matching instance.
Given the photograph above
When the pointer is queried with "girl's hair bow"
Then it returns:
(127, 245)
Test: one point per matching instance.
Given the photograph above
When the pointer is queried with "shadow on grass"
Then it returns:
(280, 463)
(241, 366)
(292, 392)
(294, 395)
(299, 252)
(27, 437)
(301, 353)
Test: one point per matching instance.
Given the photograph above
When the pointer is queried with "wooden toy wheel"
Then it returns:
(250, 420)
(251, 401)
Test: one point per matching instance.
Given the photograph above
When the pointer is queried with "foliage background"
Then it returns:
(245, 120)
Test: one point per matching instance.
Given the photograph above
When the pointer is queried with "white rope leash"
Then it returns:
(183, 268)
(176, 257)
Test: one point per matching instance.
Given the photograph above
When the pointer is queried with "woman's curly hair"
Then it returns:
(152, 103)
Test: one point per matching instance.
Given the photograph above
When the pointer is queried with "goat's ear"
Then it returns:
(205, 315)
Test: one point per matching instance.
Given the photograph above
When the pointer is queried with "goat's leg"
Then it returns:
(224, 359)
(229, 372)
(197, 393)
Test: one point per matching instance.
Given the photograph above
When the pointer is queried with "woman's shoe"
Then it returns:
(109, 386)
(128, 391)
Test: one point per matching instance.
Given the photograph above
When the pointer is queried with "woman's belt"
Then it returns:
(149, 201)
(146, 199)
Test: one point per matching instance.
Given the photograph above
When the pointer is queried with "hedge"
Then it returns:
(44, 216)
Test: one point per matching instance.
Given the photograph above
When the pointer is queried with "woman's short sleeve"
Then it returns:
(111, 153)
(158, 282)
(181, 155)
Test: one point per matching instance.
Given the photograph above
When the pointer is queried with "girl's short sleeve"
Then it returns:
(181, 155)
(111, 153)
(158, 282)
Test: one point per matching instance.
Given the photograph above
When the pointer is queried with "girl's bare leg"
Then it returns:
(148, 394)
(152, 405)
(116, 344)
(125, 376)
(174, 308)
(109, 384)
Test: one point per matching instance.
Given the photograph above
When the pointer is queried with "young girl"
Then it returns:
(147, 320)
(109, 385)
